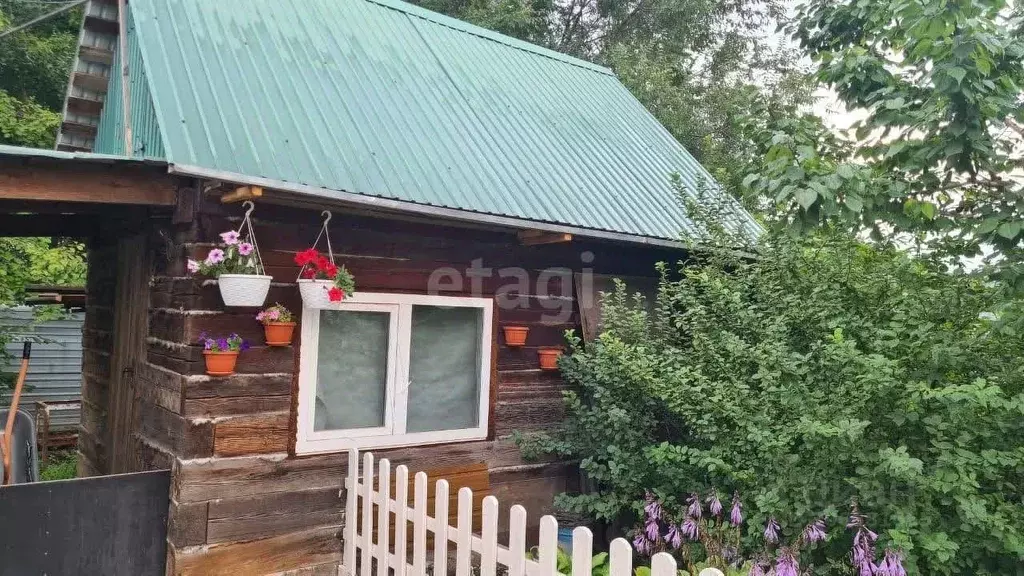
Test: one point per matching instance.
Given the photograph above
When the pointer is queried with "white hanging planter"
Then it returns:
(244, 289)
(314, 292)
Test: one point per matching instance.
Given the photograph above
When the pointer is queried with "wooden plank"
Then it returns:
(111, 525)
(539, 237)
(186, 438)
(252, 434)
(100, 184)
(236, 405)
(186, 523)
(266, 515)
(242, 193)
(267, 556)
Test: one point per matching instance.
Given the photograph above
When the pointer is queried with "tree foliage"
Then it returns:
(38, 261)
(824, 372)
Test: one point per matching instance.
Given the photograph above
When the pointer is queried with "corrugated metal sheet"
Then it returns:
(146, 139)
(382, 98)
(47, 154)
(55, 369)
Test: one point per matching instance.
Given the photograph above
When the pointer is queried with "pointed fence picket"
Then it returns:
(380, 557)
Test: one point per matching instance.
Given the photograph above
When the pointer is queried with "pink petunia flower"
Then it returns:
(230, 237)
(216, 256)
(192, 266)
(245, 248)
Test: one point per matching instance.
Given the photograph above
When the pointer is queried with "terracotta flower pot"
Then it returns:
(515, 335)
(279, 333)
(549, 358)
(220, 363)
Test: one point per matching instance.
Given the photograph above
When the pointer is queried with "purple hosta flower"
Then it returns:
(771, 531)
(230, 237)
(192, 266)
(786, 564)
(863, 554)
(216, 256)
(690, 529)
(736, 515)
(245, 248)
(674, 537)
(642, 545)
(891, 565)
(714, 504)
(815, 531)
(652, 508)
(651, 531)
(693, 506)
(757, 570)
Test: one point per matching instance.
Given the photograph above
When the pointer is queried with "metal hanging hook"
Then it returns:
(327, 216)
(249, 207)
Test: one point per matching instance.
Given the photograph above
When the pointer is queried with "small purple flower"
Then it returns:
(222, 344)
(641, 544)
(690, 529)
(245, 345)
(192, 266)
(863, 553)
(693, 506)
(786, 564)
(771, 531)
(736, 515)
(208, 344)
(891, 565)
(230, 237)
(216, 256)
(815, 531)
(714, 504)
(651, 531)
(674, 537)
(653, 508)
(245, 248)
(757, 570)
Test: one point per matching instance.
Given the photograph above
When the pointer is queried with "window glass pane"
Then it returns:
(352, 367)
(444, 368)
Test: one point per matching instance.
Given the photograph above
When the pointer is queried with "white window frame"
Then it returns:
(392, 434)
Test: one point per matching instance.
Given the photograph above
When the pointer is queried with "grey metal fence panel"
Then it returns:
(55, 371)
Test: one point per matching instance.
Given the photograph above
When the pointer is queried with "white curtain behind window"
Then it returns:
(444, 392)
(351, 370)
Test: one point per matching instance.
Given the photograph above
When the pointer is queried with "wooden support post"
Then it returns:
(242, 193)
(537, 237)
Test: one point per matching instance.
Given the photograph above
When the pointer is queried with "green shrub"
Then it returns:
(821, 373)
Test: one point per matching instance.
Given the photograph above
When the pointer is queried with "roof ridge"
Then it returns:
(462, 26)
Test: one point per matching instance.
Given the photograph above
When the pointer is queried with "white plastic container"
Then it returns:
(244, 289)
(314, 292)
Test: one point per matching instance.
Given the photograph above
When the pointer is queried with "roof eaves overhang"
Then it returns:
(401, 206)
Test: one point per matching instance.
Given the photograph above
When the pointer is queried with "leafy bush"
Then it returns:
(821, 373)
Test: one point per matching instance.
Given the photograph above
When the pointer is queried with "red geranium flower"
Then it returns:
(306, 256)
(331, 271)
(322, 263)
(335, 294)
(308, 273)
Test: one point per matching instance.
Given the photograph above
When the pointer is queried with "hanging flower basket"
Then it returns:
(321, 281)
(278, 325)
(237, 265)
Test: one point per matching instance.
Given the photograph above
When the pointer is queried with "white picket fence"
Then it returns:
(395, 515)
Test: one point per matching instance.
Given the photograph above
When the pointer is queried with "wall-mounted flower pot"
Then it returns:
(279, 333)
(549, 358)
(220, 363)
(515, 335)
(315, 293)
(244, 289)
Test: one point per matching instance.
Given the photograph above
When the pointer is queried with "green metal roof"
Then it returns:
(382, 98)
(46, 153)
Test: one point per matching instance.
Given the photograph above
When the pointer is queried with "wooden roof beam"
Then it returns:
(538, 237)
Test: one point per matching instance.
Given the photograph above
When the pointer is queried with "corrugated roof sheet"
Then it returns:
(385, 99)
(23, 152)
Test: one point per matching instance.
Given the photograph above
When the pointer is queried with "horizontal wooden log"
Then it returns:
(238, 385)
(266, 515)
(236, 405)
(184, 437)
(252, 434)
(527, 415)
(187, 523)
(64, 182)
(236, 477)
(149, 456)
(266, 556)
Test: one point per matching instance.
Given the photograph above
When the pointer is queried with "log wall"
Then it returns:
(241, 500)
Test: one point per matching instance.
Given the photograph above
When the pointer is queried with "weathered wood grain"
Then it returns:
(86, 183)
(266, 515)
(266, 556)
(236, 405)
(187, 523)
(265, 433)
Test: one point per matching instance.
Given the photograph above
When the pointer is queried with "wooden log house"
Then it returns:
(463, 168)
